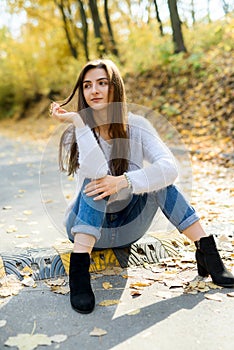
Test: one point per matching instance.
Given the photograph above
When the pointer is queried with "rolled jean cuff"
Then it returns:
(87, 229)
(188, 222)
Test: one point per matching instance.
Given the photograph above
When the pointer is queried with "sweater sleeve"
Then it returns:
(161, 170)
(92, 161)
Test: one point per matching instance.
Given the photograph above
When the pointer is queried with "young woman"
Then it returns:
(117, 196)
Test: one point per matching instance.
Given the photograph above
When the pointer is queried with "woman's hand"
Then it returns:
(105, 186)
(63, 116)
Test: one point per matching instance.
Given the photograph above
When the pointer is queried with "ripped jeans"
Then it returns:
(122, 226)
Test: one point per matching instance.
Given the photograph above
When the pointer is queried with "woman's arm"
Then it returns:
(92, 162)
(162, 170)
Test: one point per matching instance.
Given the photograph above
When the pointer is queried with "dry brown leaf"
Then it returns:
(192, 291)
(56, 282)
(201, 285)
(58, 338)
(21, 236)
(32, 341)
(26, 271)
(214, 297)
(203, 290)
(231, 294)
(109, 302)
(28, 282)
(97, 332)
(60, 289)
(7, 207)
(11, 229)
(135, 293)
(211, 285)
(107, 285)
(140, 285)
(156, 269)
(27, 212)
(9, 285)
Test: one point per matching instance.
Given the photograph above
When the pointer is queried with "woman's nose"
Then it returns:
(94, 89)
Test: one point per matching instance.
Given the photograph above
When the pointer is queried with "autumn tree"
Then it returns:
(158, 17)
(114, 49)
(178, 40)
(61, 5)
(97, 24)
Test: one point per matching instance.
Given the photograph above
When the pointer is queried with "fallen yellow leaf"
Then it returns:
(97, 332)
(134, 312)
(214, 297)
(109, 302)
(139, 285)
(32, 341)
(26, 271)
(56, 282)
(60, 289)
(107, 285)
(27, 212)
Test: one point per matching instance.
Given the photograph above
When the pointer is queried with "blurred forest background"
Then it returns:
(176, 58)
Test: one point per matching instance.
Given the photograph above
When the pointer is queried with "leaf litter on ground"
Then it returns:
(32, 341)
(97, 332)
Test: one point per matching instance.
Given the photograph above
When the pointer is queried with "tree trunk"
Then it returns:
(225, 7)
(84, 29)
(193, 12)
(72, 48)
(114, 49)
(97, 27)
(208, 11)
(176, 27)
(158, 18)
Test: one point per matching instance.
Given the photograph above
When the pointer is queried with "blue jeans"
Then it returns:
(131, 219)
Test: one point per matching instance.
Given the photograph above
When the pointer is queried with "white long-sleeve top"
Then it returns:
(151, 164)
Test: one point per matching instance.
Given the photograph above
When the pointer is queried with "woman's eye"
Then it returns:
(87, 86)
(103, 83)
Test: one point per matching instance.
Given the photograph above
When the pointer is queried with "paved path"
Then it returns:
(178, 322)
(31, 199)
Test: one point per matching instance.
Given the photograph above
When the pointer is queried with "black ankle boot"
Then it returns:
(210, 263)
(81, 294)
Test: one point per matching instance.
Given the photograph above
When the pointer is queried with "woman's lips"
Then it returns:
(96, 99)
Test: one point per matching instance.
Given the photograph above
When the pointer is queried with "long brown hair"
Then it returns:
(68, 149)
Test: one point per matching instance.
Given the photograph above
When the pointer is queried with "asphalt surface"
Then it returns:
(181, 321)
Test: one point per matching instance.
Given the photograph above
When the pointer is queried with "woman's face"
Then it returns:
(96, 89)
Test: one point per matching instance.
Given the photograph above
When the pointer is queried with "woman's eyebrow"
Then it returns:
(89, 81)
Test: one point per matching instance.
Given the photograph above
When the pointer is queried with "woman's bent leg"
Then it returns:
(179, 212)
(83, 227)
(85, 221)
(183, 216)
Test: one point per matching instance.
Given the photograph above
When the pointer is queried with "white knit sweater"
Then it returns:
(151, 164)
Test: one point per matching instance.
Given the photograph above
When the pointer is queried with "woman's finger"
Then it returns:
(101, 196)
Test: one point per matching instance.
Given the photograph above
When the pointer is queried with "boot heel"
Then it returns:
(202, 271)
